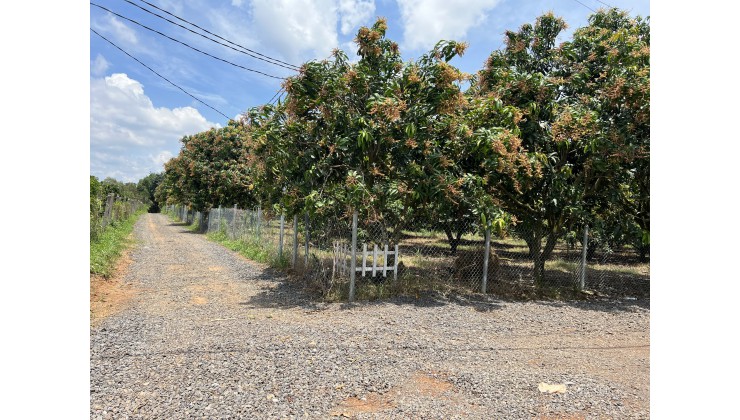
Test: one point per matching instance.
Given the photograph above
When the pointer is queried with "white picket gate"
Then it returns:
(380, 260)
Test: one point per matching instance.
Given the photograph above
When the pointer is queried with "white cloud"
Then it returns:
(291, 30)
(129, 136)
(120, 31)
(162, 157)
(99, 66)
(426, 22)
(299, 29)
(354, 13)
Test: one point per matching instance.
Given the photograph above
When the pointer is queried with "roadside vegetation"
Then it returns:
(114, 208)
(108, 246)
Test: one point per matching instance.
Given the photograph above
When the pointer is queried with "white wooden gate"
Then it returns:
(380, 260)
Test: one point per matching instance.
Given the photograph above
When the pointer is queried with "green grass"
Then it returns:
(107, 248)
(251, 248)
(562, 265)
(195, 226)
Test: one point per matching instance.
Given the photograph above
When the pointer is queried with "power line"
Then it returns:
(271, 60)
(189, 46)
(152, 70)
(578, 1)
(273, 96)
(217, 36)
(607, 5)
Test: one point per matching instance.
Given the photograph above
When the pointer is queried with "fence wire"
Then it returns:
(393, 259)
(113, 209)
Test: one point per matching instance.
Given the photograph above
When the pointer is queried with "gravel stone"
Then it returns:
(212, 335)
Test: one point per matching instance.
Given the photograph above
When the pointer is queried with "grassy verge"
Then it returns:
(105, 251)
(251, 248)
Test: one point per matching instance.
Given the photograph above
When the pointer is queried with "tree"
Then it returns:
(374, 136)
(558, 170)
(211, 169)
(147, 187)
(608, 63)
(97, 206)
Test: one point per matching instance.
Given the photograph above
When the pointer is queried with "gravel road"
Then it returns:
(210, 334)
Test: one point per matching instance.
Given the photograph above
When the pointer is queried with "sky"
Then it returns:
(137, 118)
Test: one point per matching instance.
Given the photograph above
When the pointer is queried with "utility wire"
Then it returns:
(273, 96)
(189, 46)
(607, 5)
(280, 97)
(578, 1)
(271, 61)
(152, 70)
(217, 36)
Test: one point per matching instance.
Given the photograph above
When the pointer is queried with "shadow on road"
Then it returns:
(283, 292)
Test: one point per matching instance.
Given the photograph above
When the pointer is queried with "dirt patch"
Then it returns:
(563, 417)
(428, 386)
(109, 296)
(372, 403)
(213, 290)
(418, 386)
(176, 268)
(198, 300)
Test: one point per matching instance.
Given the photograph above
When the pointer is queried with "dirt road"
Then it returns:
(209, 334)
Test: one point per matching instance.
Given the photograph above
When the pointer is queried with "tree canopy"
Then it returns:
(547, 138)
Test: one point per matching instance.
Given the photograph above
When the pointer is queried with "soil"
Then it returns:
(110, 295)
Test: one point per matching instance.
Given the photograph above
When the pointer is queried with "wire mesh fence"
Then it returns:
(109, 211)
(340, 258)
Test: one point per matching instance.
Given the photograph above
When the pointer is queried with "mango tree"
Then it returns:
(561, 165)
(608, 62)
(210, 170)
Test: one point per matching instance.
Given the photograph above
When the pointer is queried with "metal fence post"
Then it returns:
(485, 261)
(108, 209)
(233, 224)
(307, 234)
(582, 283)
(219, 218)
(395, 263)
(295, 239)
(353, 263)
(364, 258)
(258, 221)
(280, 244)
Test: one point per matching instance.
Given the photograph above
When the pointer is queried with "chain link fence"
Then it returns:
(406, 259)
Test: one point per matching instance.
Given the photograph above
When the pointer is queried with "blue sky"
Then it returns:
(137, 118)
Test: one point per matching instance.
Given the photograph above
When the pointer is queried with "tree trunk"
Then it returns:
(591, 251)
(203, 222)
(539, 269)
(450, 240)
(534, 243)
(453, 240)
(552, 240)
(643, 253)
(540, 255)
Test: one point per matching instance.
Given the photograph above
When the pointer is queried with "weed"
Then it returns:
(110, 243)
